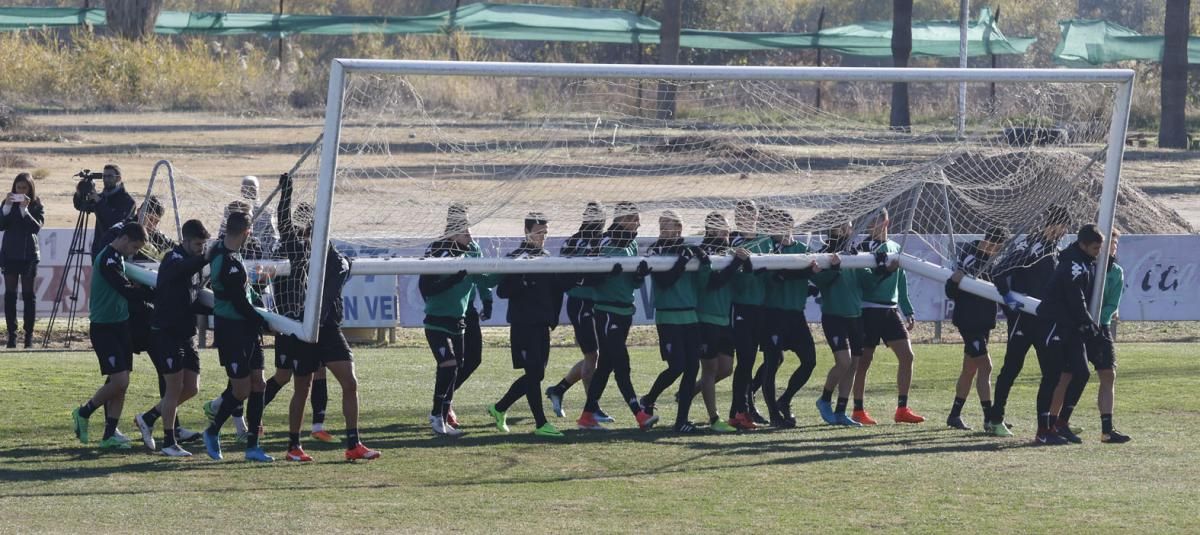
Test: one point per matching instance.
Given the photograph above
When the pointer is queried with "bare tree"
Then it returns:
(1172, 132)
(668, 54)
(901, 49)
(133, 19)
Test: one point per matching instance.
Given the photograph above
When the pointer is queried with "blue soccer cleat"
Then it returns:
(212, 444)
(841, 419)
(256, 454)
(826, 410)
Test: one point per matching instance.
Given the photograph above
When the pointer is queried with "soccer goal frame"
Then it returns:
(1123, 79)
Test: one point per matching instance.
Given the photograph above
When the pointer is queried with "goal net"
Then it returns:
(503, 140)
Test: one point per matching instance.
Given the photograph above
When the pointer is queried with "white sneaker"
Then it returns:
(176, 451)
(440, 427)
(147, 432)
(117, 434)
(184, 434)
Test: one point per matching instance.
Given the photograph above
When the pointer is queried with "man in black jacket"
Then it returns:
(534, 302)
(975, 317)
(111, 206)
(1070, 330)
(1025, 270)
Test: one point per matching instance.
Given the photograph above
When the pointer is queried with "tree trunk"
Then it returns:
(901, 49)
(133, 19)
(668, 54)
(1172, 132)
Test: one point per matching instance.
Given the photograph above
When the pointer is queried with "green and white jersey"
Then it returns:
(615, 294)
(107, 302)
(788, 289)
(750, 288)
(892, 290)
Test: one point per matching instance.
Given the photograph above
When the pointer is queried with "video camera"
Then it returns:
(87, 182)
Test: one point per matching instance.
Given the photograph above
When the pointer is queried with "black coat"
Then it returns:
(1069, 291)
(1027, 269)
(972, 313)
(114, 206)
(21, 233)
(534, 298)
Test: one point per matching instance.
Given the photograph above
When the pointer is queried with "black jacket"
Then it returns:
(972, 313)
(1026, 269)
(21, 233)
(1069, 291)
(337, 272)
(114, 206)
(154, 239)
(175, 294)
(534, 298)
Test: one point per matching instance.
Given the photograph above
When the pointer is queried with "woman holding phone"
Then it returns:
(21, 218)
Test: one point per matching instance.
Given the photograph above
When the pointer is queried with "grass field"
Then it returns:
(923, 478)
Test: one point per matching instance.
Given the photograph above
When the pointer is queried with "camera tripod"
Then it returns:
(72, 272)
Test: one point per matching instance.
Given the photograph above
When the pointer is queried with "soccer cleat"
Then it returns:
(1065, 432)
(175, 450)
(295, 455)
(209, 412)
(603, 417)
(780, 421)
(862, 417)
(147, 432)
(756, 416)
(186, 436)
(500, 417)
(957, 423)
(905, 415)
(719, 426)
(323, 436)
(548, 430)
(452, 419)
(256, 454)
(361, 452)
(1049, 439)
(117, 434)
(648, 407)
(743, 422)
(441, 427)
(556, 400)
(826, 410)
(841, 419)
(212, 445)
(688, 428)
(588, 421)
(1114, 437)
(999, 430)
(81, 426)
(1075, 429)
(645, 420)
(114, 443)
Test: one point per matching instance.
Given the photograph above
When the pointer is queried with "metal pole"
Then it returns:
(280, 21)
(1112, 181)
(964, 15)
(820, 26)
(988, 44)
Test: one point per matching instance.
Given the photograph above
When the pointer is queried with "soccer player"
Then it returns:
(581, 311)
(446, 302)
(614, 315)
(841, 319)
(1104, 358)
(1070, 330)
(749, 291)
(473, 333)
(882, 307)
(173, 347)
(975, 317)
(238, 329)
(534, 302)
(109, 299)
(786, 327)
(713, 309)
(675, 319)
(1025, 270)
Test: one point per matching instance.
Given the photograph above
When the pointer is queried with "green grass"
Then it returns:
(923, 478)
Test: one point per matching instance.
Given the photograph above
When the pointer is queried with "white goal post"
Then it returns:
(326, 198)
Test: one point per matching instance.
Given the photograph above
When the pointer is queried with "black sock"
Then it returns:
(987, 410)
(442, 393)
(178, 425)
(110, 427)
(841, 405)
(956, 409)
(1064, 415)
(319, 398)
(254, 412)
(901, 401)
(169, 437)
(515, 391)
(273, 387)
(293, 440)
(827, 396)
(534, 397)
(238, 410)
(151, 416)
(352, 437)
(87, 409)
(858, 405)
(1106, 425)
(228, 404)
(562, 387)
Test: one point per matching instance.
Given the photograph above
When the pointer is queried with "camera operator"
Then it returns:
(112, 205)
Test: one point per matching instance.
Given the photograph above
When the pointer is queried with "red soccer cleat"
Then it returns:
(743, 422)
(905, 415)
(359, 451)
(588, 421)
(297, 455)
(863, 418)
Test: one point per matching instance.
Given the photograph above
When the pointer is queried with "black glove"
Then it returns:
(458, 277)
(285, 179)
(262, 323)
(881, 260)
(617, 269)
(699, 253)
(486, 313)
(813, 291)
(643, 269)
(1089, 331)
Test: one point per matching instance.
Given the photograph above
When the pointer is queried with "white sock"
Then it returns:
(317, 428)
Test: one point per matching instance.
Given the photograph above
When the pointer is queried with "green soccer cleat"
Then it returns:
(209, 412)
(114, 443)
(501, 418)
(1000, 430)
(81, 426)
(720, 426)
(548, 430)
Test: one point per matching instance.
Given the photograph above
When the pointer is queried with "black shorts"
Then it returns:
(975, 344)
(1069, 349)
(787, 330)
(843, 334)
(445, 346)
(715, 340)
(530, 346)
(113, 347)
(1102, 353)
(173, 354)
(239, 346)
(583, 320)
(882, 325)
(305, 358)
(677, 344)
(26, 268)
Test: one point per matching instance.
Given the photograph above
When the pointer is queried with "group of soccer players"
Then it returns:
(707, 320)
